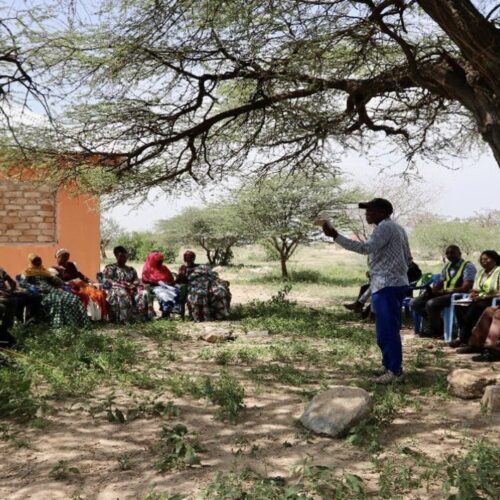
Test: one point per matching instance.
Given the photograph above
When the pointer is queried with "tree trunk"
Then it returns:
(103, 251)
(474, 82)
(284, 270)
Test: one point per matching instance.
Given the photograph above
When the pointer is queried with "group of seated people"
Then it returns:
(62, 296)
(478, 320)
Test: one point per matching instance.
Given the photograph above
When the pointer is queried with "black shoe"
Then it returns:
(456, 343)
(355, 306)
(487, 356)
(467, 349)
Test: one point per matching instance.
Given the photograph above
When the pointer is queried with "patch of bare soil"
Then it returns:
(267, 438)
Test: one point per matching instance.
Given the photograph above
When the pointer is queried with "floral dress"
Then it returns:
(128, 301)
(208, 297)
(59, 307)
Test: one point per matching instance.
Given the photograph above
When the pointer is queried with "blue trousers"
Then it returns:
(387, 304)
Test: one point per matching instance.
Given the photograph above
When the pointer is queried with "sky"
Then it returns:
(463, 188)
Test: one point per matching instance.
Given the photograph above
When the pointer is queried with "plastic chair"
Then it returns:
(426, 281)
(449, 314)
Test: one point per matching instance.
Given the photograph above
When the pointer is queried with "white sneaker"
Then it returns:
(389, 378)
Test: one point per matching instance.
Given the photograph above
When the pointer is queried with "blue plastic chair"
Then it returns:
(417, 319)
(449, 314)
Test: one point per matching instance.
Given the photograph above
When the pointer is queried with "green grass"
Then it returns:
(335, 277)
(225, 391)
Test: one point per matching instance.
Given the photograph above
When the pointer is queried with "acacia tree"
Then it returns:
(411, 202)
(110, 231)
(213, 227)
(18, 88)
(281, 211)
(199, 89)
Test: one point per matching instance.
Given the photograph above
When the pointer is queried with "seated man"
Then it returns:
(457, 277)
(414, 273)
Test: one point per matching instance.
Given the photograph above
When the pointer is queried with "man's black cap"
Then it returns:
(380, 203)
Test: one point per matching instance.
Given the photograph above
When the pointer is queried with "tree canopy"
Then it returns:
(202, 89)
(281, 211)
(214, 228)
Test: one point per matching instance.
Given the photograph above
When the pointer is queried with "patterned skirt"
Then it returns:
(64, 309)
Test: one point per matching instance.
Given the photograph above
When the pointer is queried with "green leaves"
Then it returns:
(176, 449)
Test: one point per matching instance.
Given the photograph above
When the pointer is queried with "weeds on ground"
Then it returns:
(157, 330)
(227, 392)
(280, 316)
(73, 361)
(293, 351)
(285, 374)
(175, 449)
(16, 398)
(124, 462)
(7, 434)
(62, 471)
(473, 474)
(312, 481)
(388, 402)
(155, 495)
(224, 390)
(146, 408)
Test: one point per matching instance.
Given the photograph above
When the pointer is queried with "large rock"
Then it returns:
(470, 384)
(491, 399)
(336, 410)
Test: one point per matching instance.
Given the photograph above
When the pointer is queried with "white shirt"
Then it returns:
(388, 254)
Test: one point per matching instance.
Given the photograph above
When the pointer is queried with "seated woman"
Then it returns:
(208, 297)
(13, 303)
(93, 299)
(486, 336)
(158, 275)
(486, 287)
(59, 307)
(128, 301)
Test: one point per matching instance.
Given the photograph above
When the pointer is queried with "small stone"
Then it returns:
(470, 384)
(336, 410)
(257, 333)
(491, 399)
(217, 336)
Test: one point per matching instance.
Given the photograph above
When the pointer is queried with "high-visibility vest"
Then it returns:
(450, 282)
(490, 285)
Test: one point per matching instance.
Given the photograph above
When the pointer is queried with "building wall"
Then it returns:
(34, 219)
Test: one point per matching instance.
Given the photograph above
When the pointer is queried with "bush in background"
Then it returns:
(139, 244)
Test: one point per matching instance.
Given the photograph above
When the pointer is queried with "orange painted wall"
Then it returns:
(78, 230)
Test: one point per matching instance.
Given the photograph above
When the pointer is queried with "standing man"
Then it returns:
(388, 260)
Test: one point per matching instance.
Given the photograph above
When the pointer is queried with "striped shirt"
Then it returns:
(388, 254)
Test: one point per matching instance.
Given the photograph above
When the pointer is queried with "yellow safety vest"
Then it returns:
(490, 285)
(449, 281)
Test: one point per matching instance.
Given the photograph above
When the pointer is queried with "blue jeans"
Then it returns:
(387, 304)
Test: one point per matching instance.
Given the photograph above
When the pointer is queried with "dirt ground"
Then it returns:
(267, 439)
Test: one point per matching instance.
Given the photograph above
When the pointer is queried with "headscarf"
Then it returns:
(62, 251)
(153, 271)
(33, 270)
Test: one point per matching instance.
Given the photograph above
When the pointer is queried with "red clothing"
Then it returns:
(155, 271)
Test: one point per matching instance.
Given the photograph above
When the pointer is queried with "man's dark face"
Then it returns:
(375, 215)
(453, 254)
